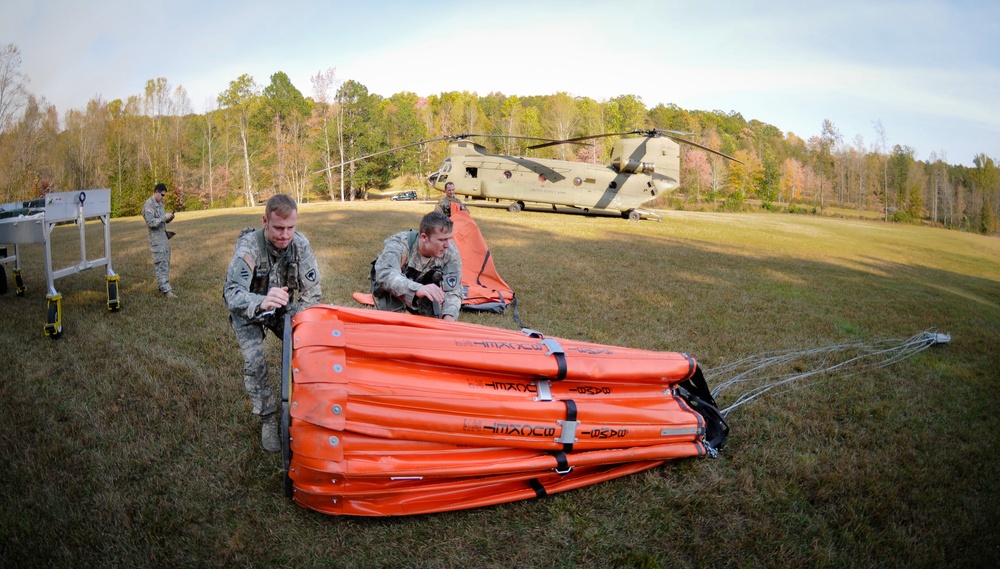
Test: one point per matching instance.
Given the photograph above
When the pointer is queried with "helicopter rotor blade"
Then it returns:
(448, 137)
(379, 153)
(552, 140)
(705, 148)
(651, 133)
(579, 138)
(671, 134)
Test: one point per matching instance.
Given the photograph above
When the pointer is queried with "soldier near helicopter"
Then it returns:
(444, 206)
(420, 272)
(269, 267)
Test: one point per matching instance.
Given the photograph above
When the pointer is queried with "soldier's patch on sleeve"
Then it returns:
(242, 273)
(451, 281)
(311, 276)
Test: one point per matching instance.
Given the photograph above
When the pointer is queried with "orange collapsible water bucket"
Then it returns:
(396, 414)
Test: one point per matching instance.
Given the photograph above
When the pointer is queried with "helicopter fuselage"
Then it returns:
(640, 170)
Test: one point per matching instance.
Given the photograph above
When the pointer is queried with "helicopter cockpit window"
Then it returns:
(472, 172)
(506, 174)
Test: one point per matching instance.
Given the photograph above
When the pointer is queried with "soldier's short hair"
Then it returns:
(280, 204)
(435, 220)
(452, 184)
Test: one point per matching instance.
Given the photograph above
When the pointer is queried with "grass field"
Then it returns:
(129, 443)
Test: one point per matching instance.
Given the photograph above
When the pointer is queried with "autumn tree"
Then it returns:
(84, 140)
(241, 102)
(825, 145)
(746, 177)
(208, 146)
(13, 90)
(793, 180)
(325, 123)
(899, 168)
(591, 122)
(559, 120)
(696, 171)
(285, 109)
(986, 186)
(363, 134)
(27, 165)
(511, 123)
(404, 127)
(883, 157)
(672, 117)
(626, 113)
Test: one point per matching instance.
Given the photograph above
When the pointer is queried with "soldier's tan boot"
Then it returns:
(170, 294)
(270, 439)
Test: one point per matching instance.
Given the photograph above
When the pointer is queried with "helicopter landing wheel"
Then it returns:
(515, 207)
(634, 215)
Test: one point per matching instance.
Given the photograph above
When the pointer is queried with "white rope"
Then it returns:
(762, 373)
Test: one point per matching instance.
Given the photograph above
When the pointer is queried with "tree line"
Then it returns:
(258, 140)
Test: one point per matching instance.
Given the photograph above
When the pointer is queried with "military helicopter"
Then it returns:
(640, 169)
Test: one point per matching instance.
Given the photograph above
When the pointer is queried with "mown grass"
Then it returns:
(128, 442)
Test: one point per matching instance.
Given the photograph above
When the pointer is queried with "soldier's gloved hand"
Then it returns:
(276, 298)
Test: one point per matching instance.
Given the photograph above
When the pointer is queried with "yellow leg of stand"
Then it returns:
(19, 283)
(53, 317)
(114, 301)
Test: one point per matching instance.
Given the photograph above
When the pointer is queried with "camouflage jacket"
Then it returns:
(399, 258)
(247, 284)
(156, 220)
(444, 206)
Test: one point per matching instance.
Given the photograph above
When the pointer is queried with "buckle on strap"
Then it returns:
(554, 349)
(544, 389)
(568, 434)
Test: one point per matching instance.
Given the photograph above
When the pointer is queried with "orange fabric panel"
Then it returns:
(479, 273)
(455, 344)
(450, 495)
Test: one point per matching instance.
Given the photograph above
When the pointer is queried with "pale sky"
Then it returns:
(928, 70)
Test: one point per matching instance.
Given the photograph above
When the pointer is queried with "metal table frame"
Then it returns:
(34, 226)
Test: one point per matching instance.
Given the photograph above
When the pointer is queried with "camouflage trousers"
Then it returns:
(161, 262)
(255, 376)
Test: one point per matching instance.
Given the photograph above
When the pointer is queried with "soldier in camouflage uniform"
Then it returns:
(444, 206)
(420, 273)
(157, 219)
(269, 267)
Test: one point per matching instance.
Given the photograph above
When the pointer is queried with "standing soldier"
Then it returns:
(157, 219)
(420, 273)
(444, 206)
(269, 265)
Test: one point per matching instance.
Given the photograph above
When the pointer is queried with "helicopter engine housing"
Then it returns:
(632, 166)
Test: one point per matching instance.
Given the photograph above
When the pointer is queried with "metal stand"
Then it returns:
(33, 222)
